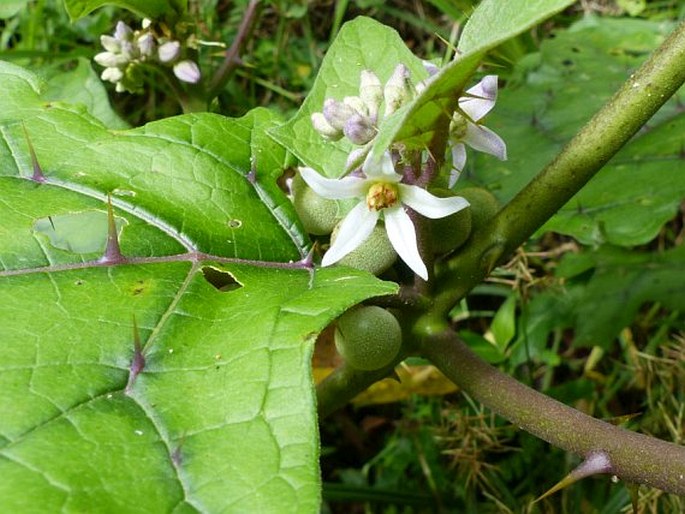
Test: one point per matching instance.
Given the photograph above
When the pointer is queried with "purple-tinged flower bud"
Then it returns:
(359, 129)
(129, 50)
(398, 90)
(146, 44)
(324, 128)
(337, 113)
(169, 51)
(123, 32)
(187, 71)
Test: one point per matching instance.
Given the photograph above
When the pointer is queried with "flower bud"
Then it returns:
(359, 129)
(110, 60)
(146, 44)
(123, 32)
(111, 44)
(113, 75)
(371, 93)
(169, 51)
(398, 90)
(357, 104)
(187, 71)
(337, 113)
(324, 128)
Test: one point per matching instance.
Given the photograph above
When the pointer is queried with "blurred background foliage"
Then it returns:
(591, 311)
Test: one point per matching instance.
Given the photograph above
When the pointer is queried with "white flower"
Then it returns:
(187, 71)
(465, 130)
(380, 193)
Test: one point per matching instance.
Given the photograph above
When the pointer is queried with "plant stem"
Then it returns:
(612, 127)
(232, 55)
(633, 457)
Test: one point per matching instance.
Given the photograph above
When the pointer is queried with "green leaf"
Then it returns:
(9, 8)
(361, 44)
(558, 91)
(494, 21)
(82, 85)
(503, 326)
(152, 9)
(619, 284)
(179, 379)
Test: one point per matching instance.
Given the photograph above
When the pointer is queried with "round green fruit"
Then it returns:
(374, 255)
(368, 338)
(318, 215)
(484, 205)
(451, 232)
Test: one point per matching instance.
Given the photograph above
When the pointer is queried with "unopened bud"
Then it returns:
(397, 90)
(111, 44)
(110, 60)
(113, 75)
(371, 92)
(357, 104)
(123, 32)
(146, 23)
(324, 128)
(146, 44)
(187, 71)
(359, 129)
(337, 113)
(169, 51)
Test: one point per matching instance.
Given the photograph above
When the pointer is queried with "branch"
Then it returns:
(612, 127)
(631, 456)
(232, 55)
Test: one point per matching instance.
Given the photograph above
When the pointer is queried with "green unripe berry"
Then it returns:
(374, 255)
(484, 205)
(368, 338)
(451, 232)
(318, 215)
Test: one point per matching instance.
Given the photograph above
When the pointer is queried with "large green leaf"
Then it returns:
(81, 84)
(152, 9)
(494, 21)
(215, 413)
(558, 91)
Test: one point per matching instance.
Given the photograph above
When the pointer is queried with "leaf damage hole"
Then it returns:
(220, 279)
(234, 223)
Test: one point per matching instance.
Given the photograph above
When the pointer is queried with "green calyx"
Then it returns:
(368, 338)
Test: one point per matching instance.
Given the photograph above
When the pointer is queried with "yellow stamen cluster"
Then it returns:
(382, 195)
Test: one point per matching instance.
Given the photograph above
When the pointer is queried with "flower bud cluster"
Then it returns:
(127, 50)
(357, 117)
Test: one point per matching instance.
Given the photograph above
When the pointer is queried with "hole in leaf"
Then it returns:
(220, 279)
(78, 232)
(235, 223)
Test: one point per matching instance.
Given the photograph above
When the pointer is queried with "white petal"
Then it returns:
(430, 205)
(458, 162)
(380, 170)
(485, 140)
(111, 44)
(402, 236)
(481, 98)
(333, 188)
(354, 230)
(122, 31)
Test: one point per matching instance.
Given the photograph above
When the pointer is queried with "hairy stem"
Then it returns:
(632, 457)
(612, 127)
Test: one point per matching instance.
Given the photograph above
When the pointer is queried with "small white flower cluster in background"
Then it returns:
(126, 50)
(381, 191)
